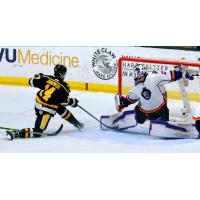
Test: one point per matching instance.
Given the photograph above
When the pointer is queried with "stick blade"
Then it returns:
(57, 132)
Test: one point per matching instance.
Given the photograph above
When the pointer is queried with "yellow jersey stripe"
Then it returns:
(45, 104)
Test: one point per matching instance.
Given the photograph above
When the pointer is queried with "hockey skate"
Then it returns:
(12, 134)
(79, 125)
(76, 123)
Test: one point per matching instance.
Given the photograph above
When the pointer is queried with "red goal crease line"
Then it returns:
(167, 62)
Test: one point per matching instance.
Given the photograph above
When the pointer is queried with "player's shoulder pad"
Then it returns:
(49, 76)
(66, 85)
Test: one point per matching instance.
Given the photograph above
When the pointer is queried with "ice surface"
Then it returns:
(17, 111)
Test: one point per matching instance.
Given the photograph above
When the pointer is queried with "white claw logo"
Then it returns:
(104, 64)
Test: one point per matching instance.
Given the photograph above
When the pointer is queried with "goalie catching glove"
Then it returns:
(121, 102)
(185, 73)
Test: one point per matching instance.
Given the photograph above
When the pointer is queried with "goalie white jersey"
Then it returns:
(151, 93)
(196, 115)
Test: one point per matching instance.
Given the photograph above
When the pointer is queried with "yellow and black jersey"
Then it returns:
(52, 91)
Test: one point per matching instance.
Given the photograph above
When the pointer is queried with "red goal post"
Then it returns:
(153, 61)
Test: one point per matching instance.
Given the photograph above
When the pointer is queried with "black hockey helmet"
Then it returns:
(60, 72)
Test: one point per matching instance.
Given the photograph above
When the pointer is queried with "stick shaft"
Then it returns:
(89, 114)
(95, 118)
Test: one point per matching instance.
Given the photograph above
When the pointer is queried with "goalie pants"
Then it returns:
(197, 125)
(162, 114)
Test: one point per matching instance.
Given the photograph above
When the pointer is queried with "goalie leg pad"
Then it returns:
(120, 121)
(166, 129)
(108, 120)
(126, 120)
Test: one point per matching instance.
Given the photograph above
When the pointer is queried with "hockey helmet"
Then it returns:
(139, 71)
(60, 72)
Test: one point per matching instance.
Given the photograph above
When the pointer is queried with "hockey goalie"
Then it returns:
(151, 114)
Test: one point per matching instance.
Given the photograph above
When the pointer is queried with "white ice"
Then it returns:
(17, 111)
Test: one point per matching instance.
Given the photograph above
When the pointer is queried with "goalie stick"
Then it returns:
(96, 118)
(48, 134)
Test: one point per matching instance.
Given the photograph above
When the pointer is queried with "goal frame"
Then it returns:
(186, 116)
(146, 60)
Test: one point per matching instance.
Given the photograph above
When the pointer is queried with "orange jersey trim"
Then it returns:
(196, 118)
(165, 96)
(154, 110)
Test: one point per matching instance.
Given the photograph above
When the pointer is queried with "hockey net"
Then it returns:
(183, 95)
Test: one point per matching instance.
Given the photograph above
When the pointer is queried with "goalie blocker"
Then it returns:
(125, 121)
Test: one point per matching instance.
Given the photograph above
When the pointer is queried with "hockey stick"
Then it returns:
(8, 129)
(96, 118)
(56, 132)
(48, 134)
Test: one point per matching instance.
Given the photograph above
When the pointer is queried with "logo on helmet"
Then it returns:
(104, 64)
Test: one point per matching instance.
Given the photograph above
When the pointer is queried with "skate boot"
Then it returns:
(79, 125)
(23, 133)
(75, 122)
(12, 134)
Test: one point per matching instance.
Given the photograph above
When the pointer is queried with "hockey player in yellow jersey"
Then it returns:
(53, 97)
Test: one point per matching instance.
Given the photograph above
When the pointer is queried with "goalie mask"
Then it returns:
(60, 72)
(139, 72)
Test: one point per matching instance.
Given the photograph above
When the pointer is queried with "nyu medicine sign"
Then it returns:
(22, 57)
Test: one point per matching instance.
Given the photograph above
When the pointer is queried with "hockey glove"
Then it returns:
(121, 102)
(181, 71)
(189, 76)
(73, 102)
(120, 108)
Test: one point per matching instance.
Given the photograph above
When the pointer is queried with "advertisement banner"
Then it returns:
(96, 65)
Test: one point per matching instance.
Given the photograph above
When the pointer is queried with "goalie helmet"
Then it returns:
(60, 72)
(138, 72)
